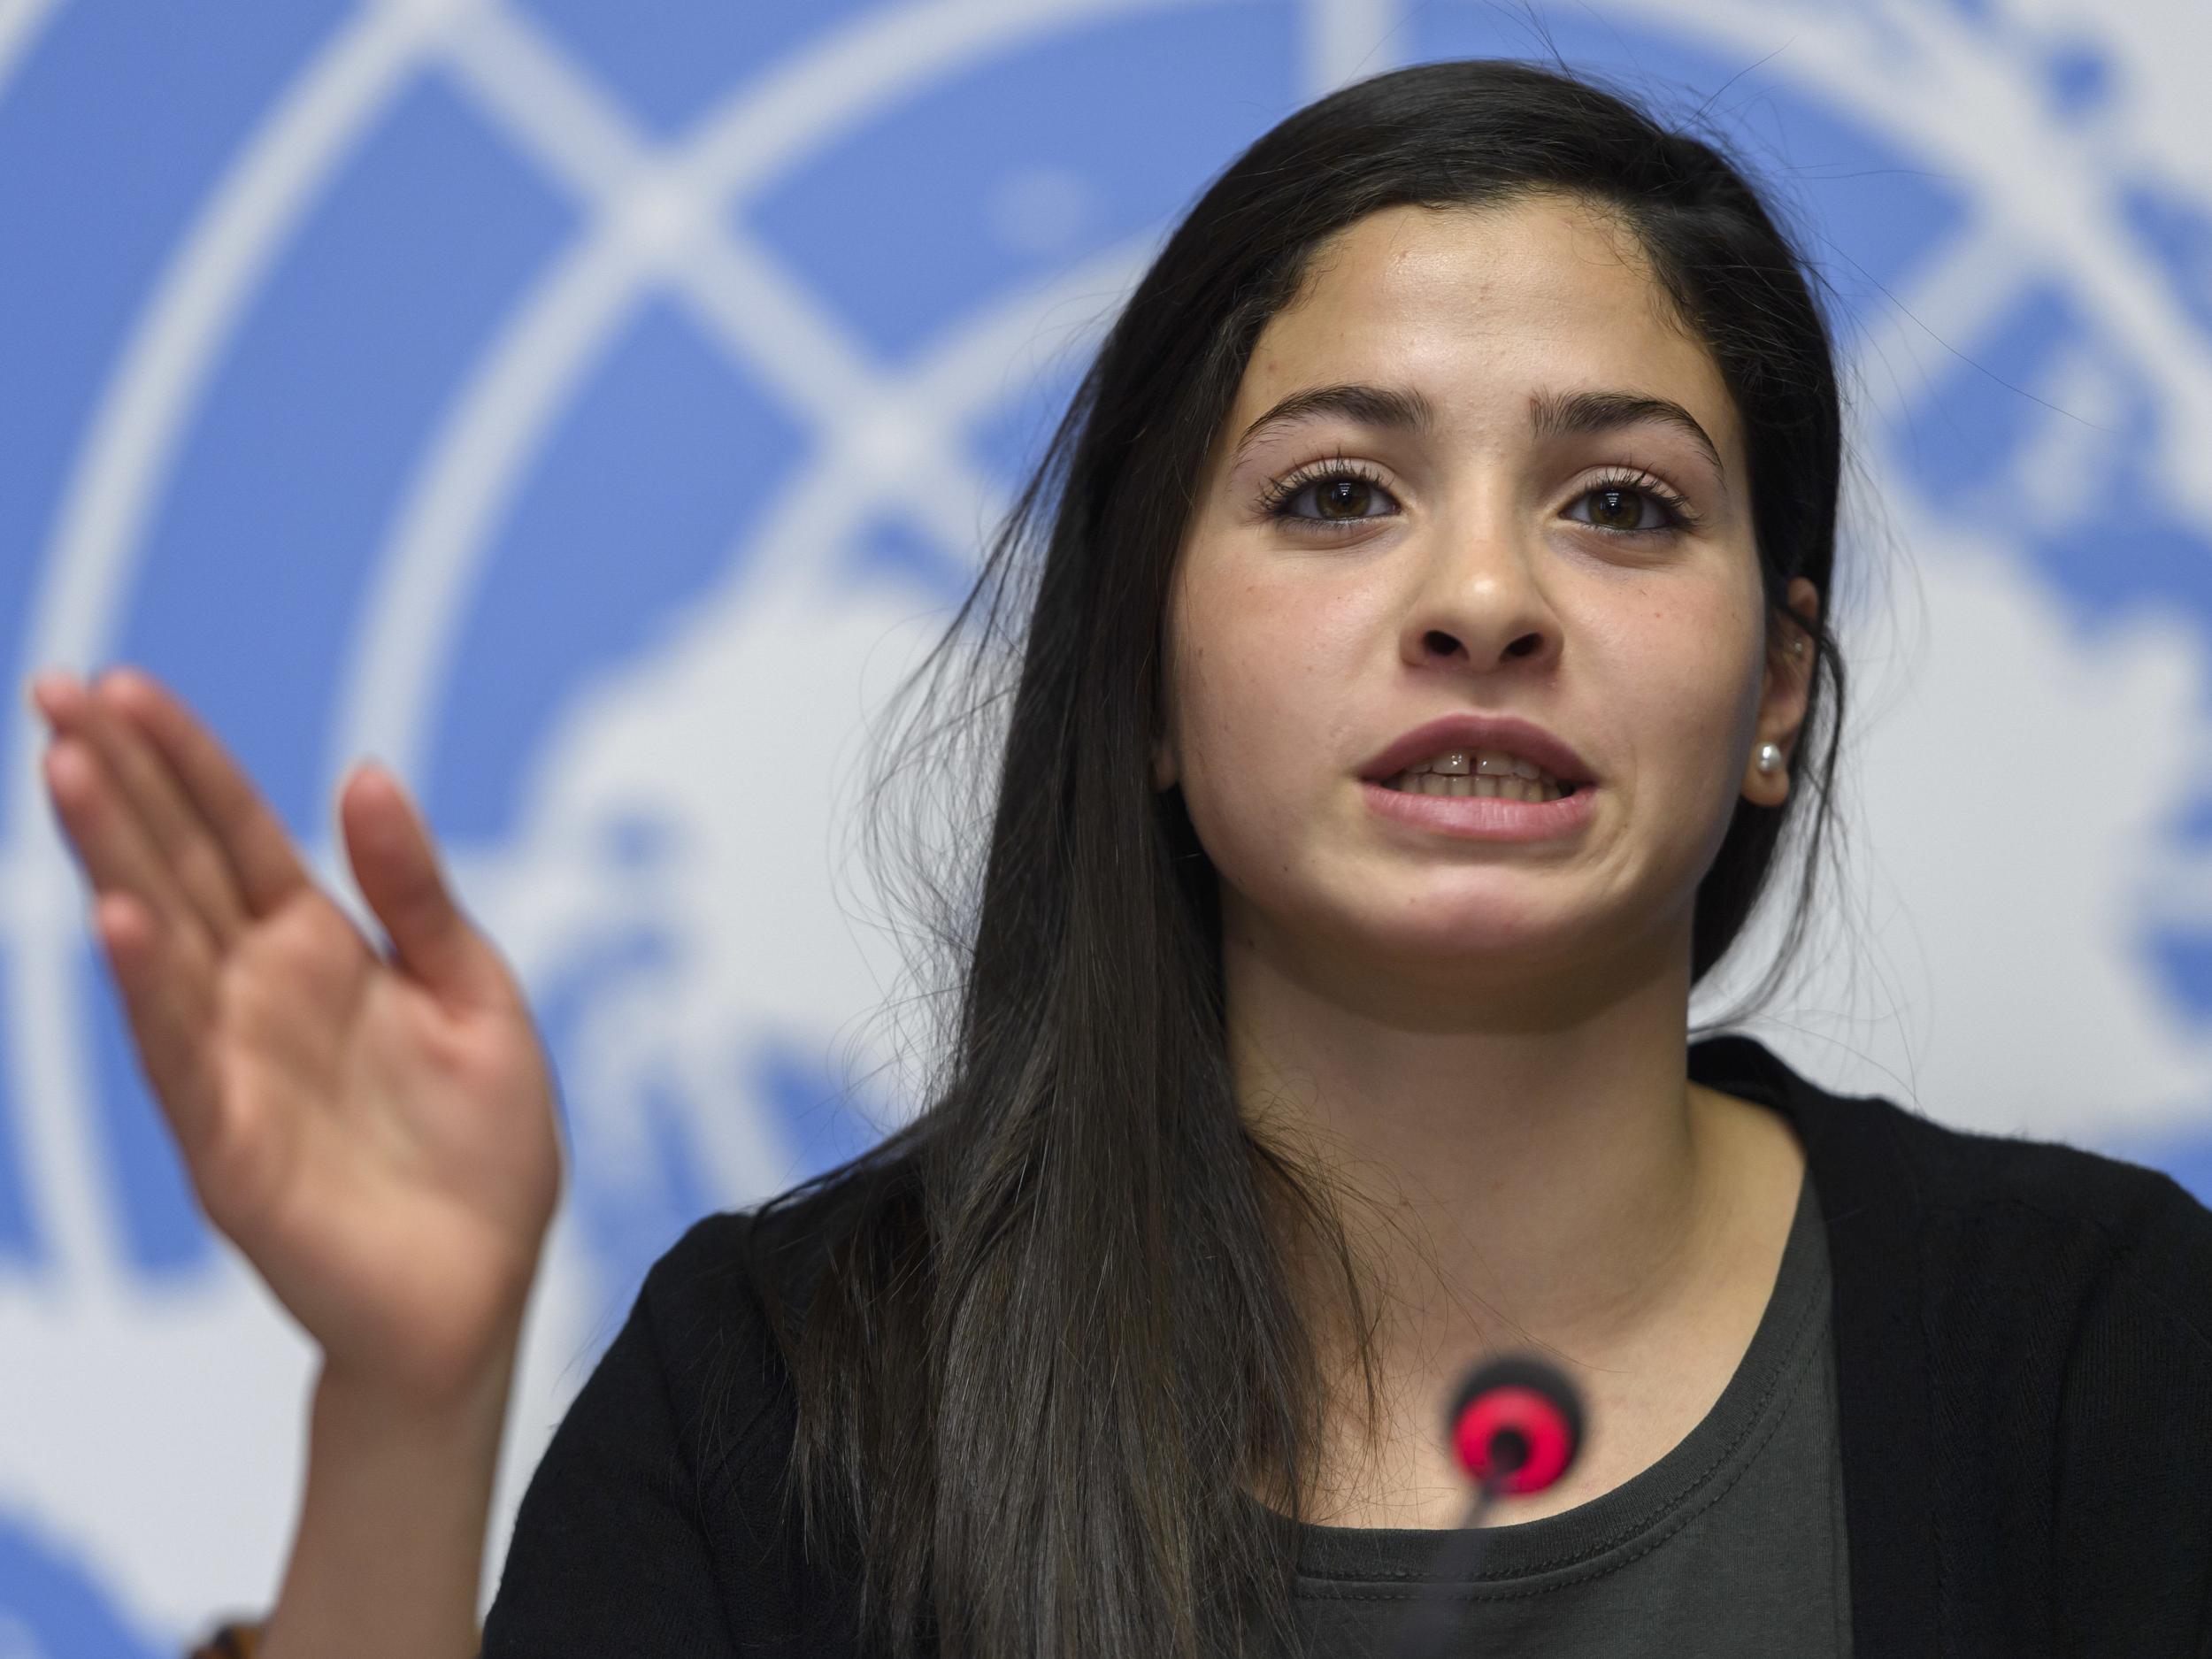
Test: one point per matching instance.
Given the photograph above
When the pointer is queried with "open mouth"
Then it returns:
(1489, 773)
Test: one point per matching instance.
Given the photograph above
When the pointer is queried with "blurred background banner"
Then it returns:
(587, 409)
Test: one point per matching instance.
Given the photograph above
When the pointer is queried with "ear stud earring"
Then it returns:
(1770, 757)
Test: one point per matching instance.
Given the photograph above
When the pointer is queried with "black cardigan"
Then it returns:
(2023, 1352)
(2023, 1357)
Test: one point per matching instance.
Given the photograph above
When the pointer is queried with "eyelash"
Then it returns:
(1275, 499)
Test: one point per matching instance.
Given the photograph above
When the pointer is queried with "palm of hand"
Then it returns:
(374, 1132)
(398, 1217)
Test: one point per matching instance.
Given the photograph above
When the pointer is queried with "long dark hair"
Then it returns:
(1055, 1346)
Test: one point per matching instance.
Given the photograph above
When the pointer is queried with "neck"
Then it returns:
(1518, 1164)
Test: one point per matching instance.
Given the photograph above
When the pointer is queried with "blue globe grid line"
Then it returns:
(100, 531)
(21, 23)
(735, 292)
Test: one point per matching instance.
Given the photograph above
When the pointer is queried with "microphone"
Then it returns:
(1516, 1424)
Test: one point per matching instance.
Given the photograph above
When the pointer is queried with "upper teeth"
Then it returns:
(1485, 763)
(1483, 772)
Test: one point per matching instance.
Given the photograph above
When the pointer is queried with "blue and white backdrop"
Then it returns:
(586, 407)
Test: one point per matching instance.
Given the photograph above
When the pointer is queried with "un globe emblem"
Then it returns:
(590, 416)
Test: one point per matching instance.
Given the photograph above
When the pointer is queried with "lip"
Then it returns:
(1478, 731)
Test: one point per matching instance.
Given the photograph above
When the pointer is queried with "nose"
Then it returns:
(1478, 602)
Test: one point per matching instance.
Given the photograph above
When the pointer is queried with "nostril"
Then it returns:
(1439, 643)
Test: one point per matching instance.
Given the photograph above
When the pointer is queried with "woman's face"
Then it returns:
(1475, 530)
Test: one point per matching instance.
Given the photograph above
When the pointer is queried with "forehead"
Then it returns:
(1480, 309)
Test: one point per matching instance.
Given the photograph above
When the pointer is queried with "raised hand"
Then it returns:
(374, 1131)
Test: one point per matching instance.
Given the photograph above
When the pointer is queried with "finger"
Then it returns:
(182, 839)
(396, 865)
(171, 1013)
(268, 868)
(113, 847)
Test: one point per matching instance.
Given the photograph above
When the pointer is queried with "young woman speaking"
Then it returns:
(1403, 669)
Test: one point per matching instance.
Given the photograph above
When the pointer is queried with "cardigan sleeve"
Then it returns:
(2134, 1498)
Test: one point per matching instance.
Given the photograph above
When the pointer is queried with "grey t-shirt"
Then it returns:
(1730, 1547)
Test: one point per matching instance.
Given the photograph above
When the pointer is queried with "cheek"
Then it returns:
(1688, 670)
(1259, 705)
(1257, 665)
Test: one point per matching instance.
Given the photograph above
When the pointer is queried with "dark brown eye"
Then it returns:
(1618, 506)
(1615, 508)
(1341, 496)
(1344, 498)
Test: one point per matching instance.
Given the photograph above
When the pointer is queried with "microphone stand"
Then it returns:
(1429, 1623)
(1516, 1424)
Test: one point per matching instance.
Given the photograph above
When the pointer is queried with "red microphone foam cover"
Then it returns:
(1529, 1398)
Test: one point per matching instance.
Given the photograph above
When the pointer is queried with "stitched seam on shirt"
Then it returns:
(1793, 1361)
(1472, 1590)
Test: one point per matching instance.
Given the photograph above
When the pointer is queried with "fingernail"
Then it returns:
(369, 763)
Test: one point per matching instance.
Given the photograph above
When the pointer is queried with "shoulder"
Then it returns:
(2124, 1232)
(2066, 1299)
(723, 1307)
(663, 1485)
(2038, 1221)
(757, 1266)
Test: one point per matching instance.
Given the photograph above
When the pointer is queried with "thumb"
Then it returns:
(396, 865)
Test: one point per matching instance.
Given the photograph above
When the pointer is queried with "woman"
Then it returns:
(1414, 691)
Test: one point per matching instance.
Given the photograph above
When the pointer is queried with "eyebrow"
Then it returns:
(1551, 415)
(1571, 413)
(1384, 407)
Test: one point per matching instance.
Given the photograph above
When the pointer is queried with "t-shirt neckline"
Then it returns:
(1625, 1518)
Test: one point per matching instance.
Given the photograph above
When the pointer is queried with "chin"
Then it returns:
(1464, 929)
(1478, 945)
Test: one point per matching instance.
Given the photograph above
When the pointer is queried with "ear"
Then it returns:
(1789, 678)
(1166, 768)
(1165, 773)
